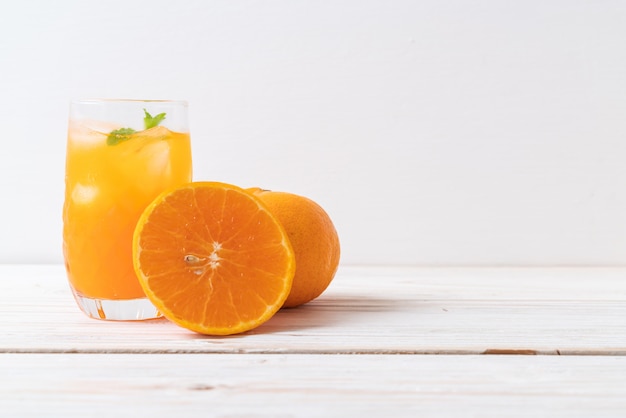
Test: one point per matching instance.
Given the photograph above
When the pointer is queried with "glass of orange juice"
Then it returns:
(121, 154)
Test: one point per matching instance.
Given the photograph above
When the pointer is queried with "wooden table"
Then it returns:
(382, 342)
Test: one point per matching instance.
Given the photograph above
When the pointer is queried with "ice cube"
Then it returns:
(83, 194)
(81, 134)
(157, 158)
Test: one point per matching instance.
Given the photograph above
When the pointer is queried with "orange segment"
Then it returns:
(212, 258)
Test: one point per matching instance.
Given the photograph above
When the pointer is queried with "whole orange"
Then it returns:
(313, 238)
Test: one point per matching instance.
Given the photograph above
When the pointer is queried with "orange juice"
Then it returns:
(107, 189)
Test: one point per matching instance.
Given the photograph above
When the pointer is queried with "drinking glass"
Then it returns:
(121, 154)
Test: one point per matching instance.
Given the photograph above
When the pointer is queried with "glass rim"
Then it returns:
(129, 101)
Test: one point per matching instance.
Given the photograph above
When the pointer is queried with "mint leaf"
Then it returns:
(119, 135)
(151, 121)
(122, 134)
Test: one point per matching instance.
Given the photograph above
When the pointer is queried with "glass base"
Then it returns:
(117, 310)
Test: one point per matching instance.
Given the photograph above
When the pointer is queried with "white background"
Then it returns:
(433, 132)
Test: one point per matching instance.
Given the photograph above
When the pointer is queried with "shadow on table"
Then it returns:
(334, 311)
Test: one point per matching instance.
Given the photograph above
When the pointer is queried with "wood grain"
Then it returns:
(277, 385)
(366, 310)
(400, 342)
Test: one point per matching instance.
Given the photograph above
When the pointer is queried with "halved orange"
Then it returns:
(212, 258)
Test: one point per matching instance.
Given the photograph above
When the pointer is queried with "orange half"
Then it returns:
(212, 258)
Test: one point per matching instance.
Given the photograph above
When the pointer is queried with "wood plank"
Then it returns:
(366, 310)
(275, 385)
